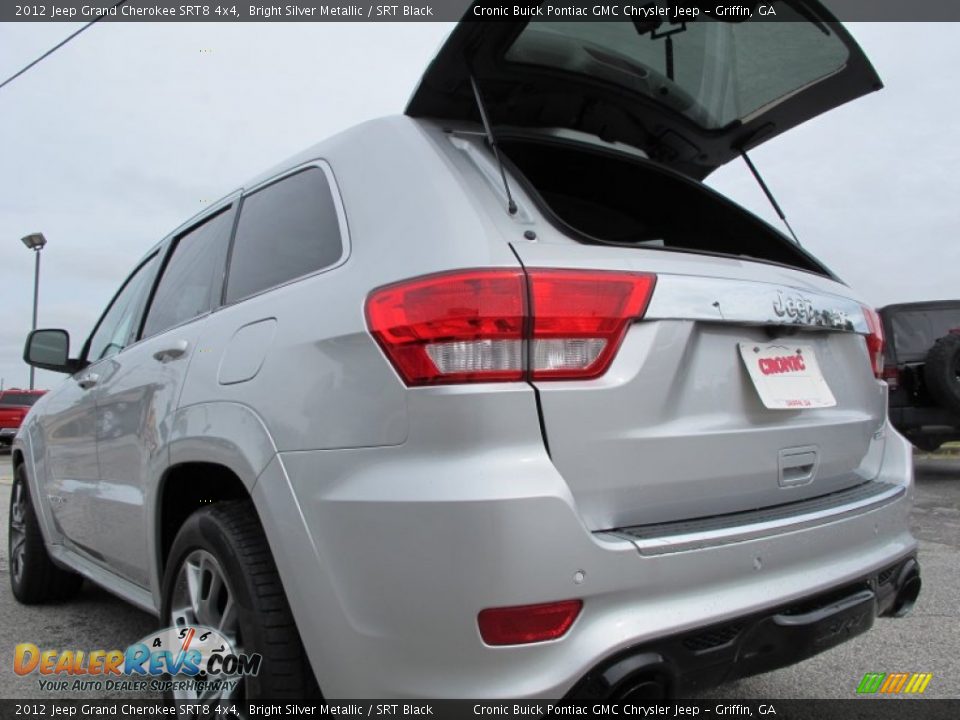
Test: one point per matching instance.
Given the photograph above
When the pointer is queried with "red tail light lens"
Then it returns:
(528, 623)
(874, 339)
(455, 327)
(476, 326)
(580, 318)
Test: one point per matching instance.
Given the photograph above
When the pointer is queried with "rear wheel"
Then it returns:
(942, 372)
(34, 578)
(221, 574)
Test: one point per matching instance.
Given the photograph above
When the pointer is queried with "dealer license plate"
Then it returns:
(786, 376)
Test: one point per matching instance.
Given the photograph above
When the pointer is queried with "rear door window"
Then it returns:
(118, 326)
(289, 229)
(193, 277)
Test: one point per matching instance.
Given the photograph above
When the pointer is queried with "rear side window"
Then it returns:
(193, 278)
(286, 230)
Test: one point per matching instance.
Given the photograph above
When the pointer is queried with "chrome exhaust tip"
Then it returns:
(908, 589)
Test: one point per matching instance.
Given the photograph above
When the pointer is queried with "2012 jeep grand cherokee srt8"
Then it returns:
(494, 398)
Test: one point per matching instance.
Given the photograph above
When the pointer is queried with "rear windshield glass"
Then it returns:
(712, 71)
(915, 331)
(16, 398)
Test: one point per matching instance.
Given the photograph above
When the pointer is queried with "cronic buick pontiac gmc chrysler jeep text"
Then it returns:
(494, 398)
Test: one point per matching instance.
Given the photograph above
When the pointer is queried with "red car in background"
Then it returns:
(14, 406)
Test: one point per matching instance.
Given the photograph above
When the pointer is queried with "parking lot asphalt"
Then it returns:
(925, 641)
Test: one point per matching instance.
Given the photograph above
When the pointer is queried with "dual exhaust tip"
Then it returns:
(907, 586)
(651, 676)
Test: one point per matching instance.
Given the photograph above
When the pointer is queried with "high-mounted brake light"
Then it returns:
(502, 325)
(874, 340)
(527, 623)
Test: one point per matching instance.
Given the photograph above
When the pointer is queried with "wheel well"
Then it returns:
(186, 488)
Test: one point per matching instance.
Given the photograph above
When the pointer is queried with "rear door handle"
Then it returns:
(177, 350)
(798, 465)
(88, 381)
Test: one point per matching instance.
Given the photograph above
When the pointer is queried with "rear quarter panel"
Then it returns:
(324, 383)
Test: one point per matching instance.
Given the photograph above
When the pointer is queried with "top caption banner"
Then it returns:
(454, 10)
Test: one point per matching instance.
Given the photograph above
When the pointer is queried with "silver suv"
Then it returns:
(494, 398)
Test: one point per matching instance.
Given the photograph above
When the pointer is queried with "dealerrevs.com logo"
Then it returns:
(191, 659)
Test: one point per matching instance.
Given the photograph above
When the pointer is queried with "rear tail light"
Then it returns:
(527, 623)
(502, 325)
(874, 340)
(580, 318)
(456, 327)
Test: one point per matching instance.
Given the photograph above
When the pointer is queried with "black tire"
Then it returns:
(34, 578)
(231, 533)
(942, 372)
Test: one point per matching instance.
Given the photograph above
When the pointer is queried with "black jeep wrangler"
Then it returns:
(922, 368)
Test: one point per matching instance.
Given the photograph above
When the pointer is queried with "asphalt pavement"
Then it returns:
(926, 641)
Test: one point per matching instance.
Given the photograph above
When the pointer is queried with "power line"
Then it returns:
(56, 47)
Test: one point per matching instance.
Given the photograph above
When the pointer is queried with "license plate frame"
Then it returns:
(786, 376)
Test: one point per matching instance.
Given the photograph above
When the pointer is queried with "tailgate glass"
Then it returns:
(712, 71)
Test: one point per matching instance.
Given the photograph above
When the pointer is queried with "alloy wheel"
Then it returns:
(18, 531)
(202, 596)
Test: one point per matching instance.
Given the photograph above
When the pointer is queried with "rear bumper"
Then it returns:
(703, 658)
(388, 554)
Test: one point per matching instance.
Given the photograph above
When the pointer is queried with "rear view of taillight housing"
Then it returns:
(580, 318)
(495, 325)
(874, 340)
(464, 326)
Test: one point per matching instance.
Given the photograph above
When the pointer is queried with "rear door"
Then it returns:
(139, 388)
(690, 94)
(676, 428)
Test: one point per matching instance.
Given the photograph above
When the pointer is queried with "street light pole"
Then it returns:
(35, 242)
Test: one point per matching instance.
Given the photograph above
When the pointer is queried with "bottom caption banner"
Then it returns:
(874, 709)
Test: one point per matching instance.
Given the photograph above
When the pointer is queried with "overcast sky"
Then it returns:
(132, 128)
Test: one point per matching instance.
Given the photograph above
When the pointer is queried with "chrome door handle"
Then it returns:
(88, 381)
(177, 350)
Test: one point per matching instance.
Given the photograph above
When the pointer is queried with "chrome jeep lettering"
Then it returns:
(800, 309)
(795, 307)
